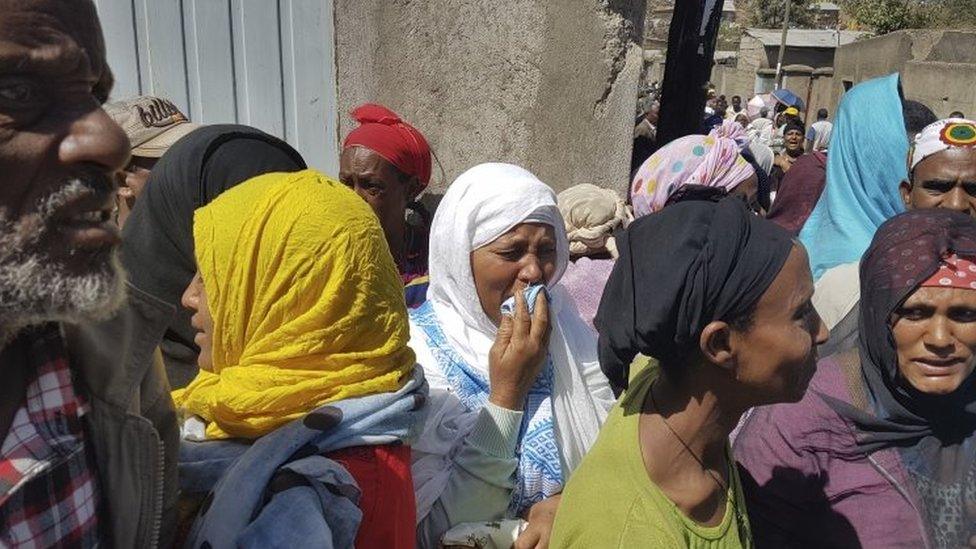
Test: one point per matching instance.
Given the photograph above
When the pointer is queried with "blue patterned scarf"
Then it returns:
(539, 473)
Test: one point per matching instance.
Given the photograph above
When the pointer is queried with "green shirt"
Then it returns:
(611, 502)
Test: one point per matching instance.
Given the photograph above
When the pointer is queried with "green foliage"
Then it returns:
(948, 14)
(729, 35)
(884, 16)
(879, 16)
(768, 14)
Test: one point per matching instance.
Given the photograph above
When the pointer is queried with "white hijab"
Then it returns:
(481, 205)
(761, 129)
(763, 154)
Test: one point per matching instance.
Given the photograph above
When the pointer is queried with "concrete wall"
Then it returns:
(741, 79)
(654, 63)
(944, 87)
(811, 57)
(547, 85)
(798, 83)
(657, 21)
(937, 67)
(944, 46)
(730, 80)
(821, 96)
(866, 59)
(752, 54)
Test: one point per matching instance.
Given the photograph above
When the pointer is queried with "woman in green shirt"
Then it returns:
(723, 305)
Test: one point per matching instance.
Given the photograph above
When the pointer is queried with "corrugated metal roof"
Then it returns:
(658, 55)
(826, 6)
(806, 38)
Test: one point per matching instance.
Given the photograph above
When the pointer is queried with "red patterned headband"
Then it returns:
(954, 272)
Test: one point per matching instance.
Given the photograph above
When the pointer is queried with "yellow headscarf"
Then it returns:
(306, 301)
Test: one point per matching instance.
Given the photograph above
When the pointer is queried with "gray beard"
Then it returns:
(35, 289)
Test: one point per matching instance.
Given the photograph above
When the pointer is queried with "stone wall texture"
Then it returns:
(938, 67)
(740, 79)
(729, 81)
(547, 85)
(821, 96)
(752, 55)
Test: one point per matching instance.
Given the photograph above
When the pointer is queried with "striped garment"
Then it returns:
(48, 488)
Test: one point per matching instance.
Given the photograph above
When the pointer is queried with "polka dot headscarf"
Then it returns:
(954, 272)
(706, 160)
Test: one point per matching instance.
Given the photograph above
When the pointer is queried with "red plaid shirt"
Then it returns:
(48, 488)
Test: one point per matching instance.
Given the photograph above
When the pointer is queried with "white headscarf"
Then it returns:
(763, 154)
(761, 129)
(481, 205)
(939, 136)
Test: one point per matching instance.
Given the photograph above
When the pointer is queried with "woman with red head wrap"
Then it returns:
(388, 163)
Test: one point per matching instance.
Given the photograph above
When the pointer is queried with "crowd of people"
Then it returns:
(769, 342)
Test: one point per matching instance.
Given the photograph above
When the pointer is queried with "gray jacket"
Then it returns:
(132, 423)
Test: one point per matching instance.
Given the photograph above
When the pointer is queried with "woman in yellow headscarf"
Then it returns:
(299, 304)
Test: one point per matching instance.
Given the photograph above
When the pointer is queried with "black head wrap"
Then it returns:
(679, 269)
(934, 434)
(794, 124)
(157, 249)
(763, 185)
(690, 192)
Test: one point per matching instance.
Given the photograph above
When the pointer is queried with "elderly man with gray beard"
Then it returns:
(87, 429)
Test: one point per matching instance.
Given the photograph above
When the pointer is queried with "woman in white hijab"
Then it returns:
(514, 402)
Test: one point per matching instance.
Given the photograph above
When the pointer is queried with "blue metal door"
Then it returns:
(265, 63)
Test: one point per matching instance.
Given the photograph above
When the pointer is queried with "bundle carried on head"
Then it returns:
(592, 214)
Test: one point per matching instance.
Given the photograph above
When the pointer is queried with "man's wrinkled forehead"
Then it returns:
(36, 30)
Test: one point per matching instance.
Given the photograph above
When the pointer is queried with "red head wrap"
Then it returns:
(383, 132)
(954, 272)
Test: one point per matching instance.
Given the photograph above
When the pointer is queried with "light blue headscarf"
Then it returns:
(866, 163)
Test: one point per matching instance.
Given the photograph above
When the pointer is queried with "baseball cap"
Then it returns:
(152, 124)
(792, 111)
